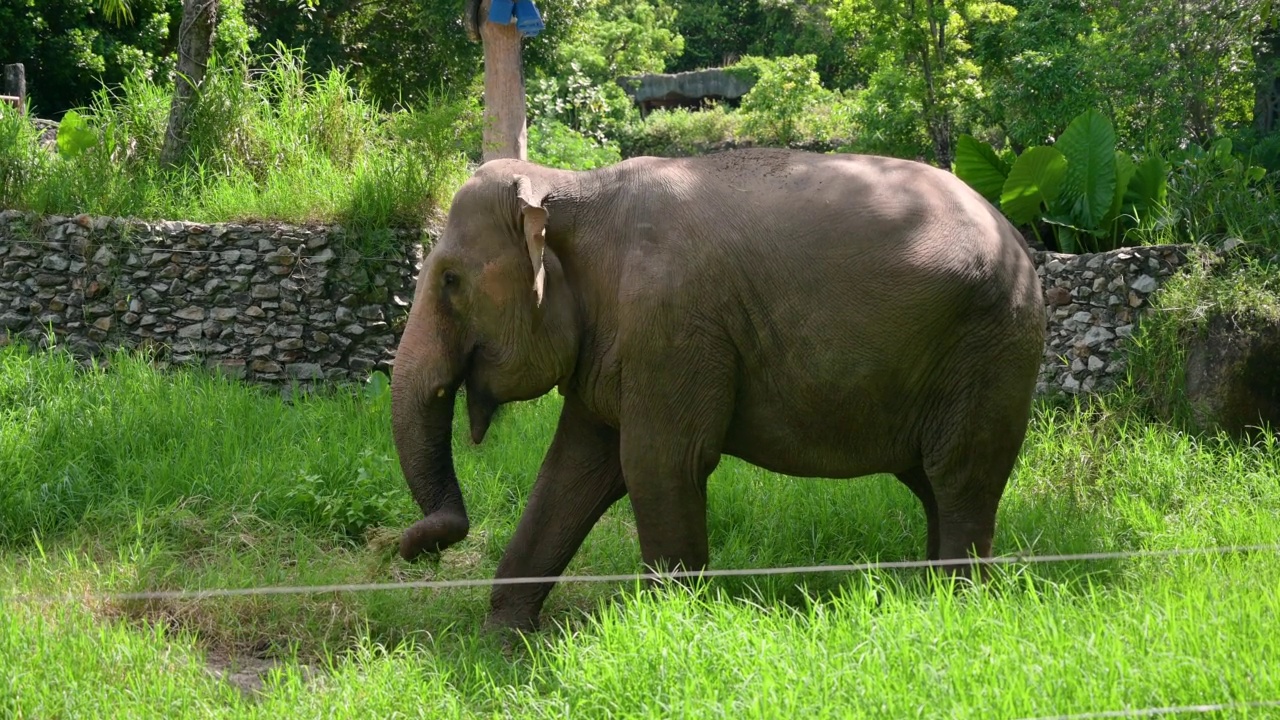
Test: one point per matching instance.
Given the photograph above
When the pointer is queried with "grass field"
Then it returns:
(130, 479)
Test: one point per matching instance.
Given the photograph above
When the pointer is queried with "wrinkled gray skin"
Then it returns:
(815, 315)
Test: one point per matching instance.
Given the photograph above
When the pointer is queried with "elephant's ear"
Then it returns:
(534, 220)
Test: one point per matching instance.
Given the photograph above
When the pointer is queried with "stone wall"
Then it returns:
(263, 302)
(1092, 303)
(273, 302)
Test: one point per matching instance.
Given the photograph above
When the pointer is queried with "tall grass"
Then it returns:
(267, 141)
(127, 478)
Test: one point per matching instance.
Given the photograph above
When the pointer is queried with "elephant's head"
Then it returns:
(491, 313)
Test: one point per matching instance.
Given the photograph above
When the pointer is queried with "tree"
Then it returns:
(72, 47)
(1266, 61)
(923, 46)
(195, 44)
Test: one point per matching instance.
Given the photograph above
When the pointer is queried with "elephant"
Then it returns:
(815, 315)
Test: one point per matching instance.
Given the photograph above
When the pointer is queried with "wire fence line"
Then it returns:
(197, 594)
(1169, 710)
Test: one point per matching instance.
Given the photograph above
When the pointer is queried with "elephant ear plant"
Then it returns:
(1090, 193)
(816, 315)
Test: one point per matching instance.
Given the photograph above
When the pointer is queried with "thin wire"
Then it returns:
(1162, 710)
(635, 577)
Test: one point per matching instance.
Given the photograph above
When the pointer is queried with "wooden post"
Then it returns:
(15, 85)
(504, 134)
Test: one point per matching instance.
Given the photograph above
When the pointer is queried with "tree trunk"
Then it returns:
(195, 43)
(504, 100)
(1266, 103)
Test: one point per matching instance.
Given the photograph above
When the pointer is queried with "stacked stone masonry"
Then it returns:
(261, 302)
(272, 302)
(1093, 303)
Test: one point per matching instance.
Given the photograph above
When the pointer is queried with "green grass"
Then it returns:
(130, 479)
(267, 141)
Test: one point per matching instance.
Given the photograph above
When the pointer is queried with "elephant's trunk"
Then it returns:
(422, 399)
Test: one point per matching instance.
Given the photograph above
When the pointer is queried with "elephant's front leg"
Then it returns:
(579, 479)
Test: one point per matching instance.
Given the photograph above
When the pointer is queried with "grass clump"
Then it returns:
(128, 478)
(267, 141)
(1238, 284)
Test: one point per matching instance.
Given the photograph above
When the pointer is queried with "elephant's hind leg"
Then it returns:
(968, 469)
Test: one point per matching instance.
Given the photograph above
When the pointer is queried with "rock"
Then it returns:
(1233, 374)
(1097, 335)
(292, 343)
(56, 263)
(12, 321)
(103, 323)
(224, 314)
(304, 371)
(191, 312)
(265, 292)
(1144, 284)
(264, 365)
(195, 330)
(1096, 364)
(1070, 384)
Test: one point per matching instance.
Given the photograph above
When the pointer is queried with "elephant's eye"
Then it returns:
(449, 278)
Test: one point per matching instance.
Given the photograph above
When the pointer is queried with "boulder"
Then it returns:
(1233, 373)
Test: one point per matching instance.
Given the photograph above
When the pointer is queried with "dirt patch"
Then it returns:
(249, 674)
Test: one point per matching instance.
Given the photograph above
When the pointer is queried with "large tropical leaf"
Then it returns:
(1034, 181)
(74, 134)
(978, 165)
(1089, 144)
(1124, 172)
(1150, 184)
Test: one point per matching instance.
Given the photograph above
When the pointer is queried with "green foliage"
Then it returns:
(680, 132)
(74, 135)
(1215, 195)
(719, 32)
(20, 158)
(400, 53)
(923, 50)
(70, 47)
(590, 109)
(131, 479)
(978, 165)
(1033, 183)
(558, 145)
(285, 145)
(612, 38)
(1211, 284)
(1091, 194)
(786, 92)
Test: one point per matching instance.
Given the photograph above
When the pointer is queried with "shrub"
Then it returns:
(21, 161)
(680, 132)
(786, 92)
(555, 144)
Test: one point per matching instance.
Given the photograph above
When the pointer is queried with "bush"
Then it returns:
(265, 142)
(555, 144)
(779, 107)
(20, 158)
(1215, 195)
(680, 132)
